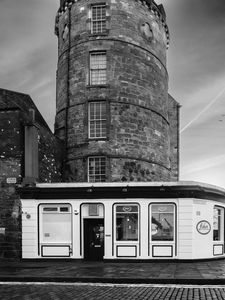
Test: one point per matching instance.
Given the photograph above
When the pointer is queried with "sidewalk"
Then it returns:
(205, 272)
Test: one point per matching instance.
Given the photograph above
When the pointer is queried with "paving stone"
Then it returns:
(101, 291)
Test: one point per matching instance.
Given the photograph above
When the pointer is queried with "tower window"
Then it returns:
(98, 18)
(97, 119)
(97, 169)
(97, 68)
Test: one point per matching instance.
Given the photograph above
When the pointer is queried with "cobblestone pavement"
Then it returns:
(73, 291)
(152, 272)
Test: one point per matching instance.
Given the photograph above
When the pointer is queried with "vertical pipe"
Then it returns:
(68, 95)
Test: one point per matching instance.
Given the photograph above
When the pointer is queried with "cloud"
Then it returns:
(204, 110)
(204, 164)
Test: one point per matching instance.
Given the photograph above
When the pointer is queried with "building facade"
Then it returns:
(117, 221)
(119, 129)
(114, 114)
(29, 152)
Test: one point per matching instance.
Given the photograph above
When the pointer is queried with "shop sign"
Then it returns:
(127, 208)
(11, 180)
(203, 227)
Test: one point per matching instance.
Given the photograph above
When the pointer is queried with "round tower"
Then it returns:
(112, 90)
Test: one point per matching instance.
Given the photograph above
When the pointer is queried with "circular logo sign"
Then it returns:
(203, 227)
(127, 209)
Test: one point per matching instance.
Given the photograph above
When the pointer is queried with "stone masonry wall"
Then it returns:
(174, 119)
(137, 146)
(14, 114)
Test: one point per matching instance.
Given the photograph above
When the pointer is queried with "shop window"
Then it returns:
(97, 119)
(98, 18)
(217, 223)
(127, 222)
(162, 222)
(98, 68)
(97, 169)
(56, 224)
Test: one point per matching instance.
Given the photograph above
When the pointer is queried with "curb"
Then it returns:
(186, 281)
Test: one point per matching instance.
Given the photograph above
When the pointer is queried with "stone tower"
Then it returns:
(114, 114)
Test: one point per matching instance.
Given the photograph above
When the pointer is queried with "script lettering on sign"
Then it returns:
(203, 227)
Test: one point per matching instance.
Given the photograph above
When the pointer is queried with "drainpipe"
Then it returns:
(31, 159)
(68, 93)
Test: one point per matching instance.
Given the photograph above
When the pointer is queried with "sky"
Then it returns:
(195, 63)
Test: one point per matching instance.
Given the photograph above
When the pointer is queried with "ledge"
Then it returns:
(113, 190)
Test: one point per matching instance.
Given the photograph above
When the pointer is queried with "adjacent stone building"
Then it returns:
(29, 152)
(114, 114)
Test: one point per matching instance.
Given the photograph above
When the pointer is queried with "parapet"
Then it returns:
(157, 10)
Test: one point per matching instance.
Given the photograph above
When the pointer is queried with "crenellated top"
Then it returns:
(157, 10)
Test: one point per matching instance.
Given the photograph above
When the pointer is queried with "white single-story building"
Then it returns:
(114, 221)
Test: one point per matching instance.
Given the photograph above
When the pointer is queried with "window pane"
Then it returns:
(98, 68)
(97, 169)
(97, 120)
(56, 227)
(217, 215)
(162, 222)
(126, 226)
(98, 18)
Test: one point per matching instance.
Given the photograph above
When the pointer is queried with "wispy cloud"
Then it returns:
(203, 164)
(203, 110)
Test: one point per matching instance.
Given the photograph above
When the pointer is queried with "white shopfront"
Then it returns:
(114, 221)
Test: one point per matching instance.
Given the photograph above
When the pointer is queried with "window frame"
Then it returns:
(220, 221)
(101, 20)
(94, 175)
(43, 213)
(92, 122)
(160, 241)
(127, 241)
(93, 70)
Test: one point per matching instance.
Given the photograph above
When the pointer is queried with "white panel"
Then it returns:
(55, 251)
(185, 248)
(185, 236)
(217, 249)
(30, 248)
(28, 242)
(162, 251)
(29, 223)
(184, 215)
(27, 254)
(184, 243)
(126, 251)
(29, 235)
(187, 222)
(29, 229)
(185, 229)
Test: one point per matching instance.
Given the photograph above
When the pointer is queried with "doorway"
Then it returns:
(93, 239)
